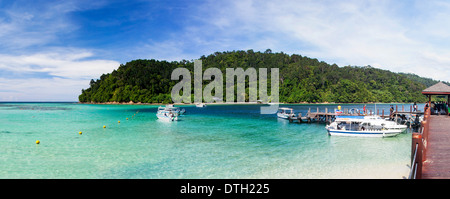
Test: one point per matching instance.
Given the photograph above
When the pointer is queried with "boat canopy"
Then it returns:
(286, 109)
(170, 108)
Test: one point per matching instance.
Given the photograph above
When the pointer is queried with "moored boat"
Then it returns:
(364, 126)
(200, 105)
(169, 113)
(285, 113)
(165, 117)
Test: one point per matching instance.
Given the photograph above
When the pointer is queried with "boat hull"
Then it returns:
(283, 116)
(165, 118)
(385, 133)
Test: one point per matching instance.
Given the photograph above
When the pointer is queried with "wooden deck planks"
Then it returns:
(437, 164)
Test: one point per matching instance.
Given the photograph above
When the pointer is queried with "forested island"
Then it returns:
(302, 79)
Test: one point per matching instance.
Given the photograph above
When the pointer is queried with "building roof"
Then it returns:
(437, 89)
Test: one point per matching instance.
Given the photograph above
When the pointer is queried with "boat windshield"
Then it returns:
(286, 110)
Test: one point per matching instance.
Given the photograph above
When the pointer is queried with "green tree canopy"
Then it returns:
(302, 79)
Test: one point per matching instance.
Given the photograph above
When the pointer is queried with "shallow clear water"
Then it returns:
(219, 141)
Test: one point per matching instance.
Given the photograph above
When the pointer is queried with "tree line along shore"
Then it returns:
(301, 80)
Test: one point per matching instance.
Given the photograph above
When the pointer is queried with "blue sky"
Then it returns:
(50, 50)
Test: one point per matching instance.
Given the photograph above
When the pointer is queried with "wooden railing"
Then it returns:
(419, 146)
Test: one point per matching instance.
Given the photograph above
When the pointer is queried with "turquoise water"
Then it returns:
(219, 141)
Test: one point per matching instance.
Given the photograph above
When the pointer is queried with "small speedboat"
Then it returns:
(166, 118)
(285, 113)
(200, 105)
(169, 113)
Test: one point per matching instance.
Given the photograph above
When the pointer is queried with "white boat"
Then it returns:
(166, 118)
(200, 105)
(169, 113)
(285, 113)
(364, 126)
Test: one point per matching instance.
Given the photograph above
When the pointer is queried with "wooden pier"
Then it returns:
(430, 149)
(437, 162)
(329, 116)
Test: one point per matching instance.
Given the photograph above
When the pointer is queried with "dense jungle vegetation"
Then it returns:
(302, 79)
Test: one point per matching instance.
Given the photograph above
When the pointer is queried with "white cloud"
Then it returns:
(34, 89)
(68, 70)
(71, 64)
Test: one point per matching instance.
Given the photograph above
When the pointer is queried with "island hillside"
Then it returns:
(302, 79)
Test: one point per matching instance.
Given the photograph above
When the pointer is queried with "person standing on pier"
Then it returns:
(364, 109)
(448, 108)
(415, 107)
(433, 107)
(391, 110)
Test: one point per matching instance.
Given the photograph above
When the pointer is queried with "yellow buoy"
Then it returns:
(127, 118)
(38, 142)
(118, 121)
(104, 127)
(80, 133)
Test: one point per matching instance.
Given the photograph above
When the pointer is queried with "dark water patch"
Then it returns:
(29, 107)
(6, 106)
